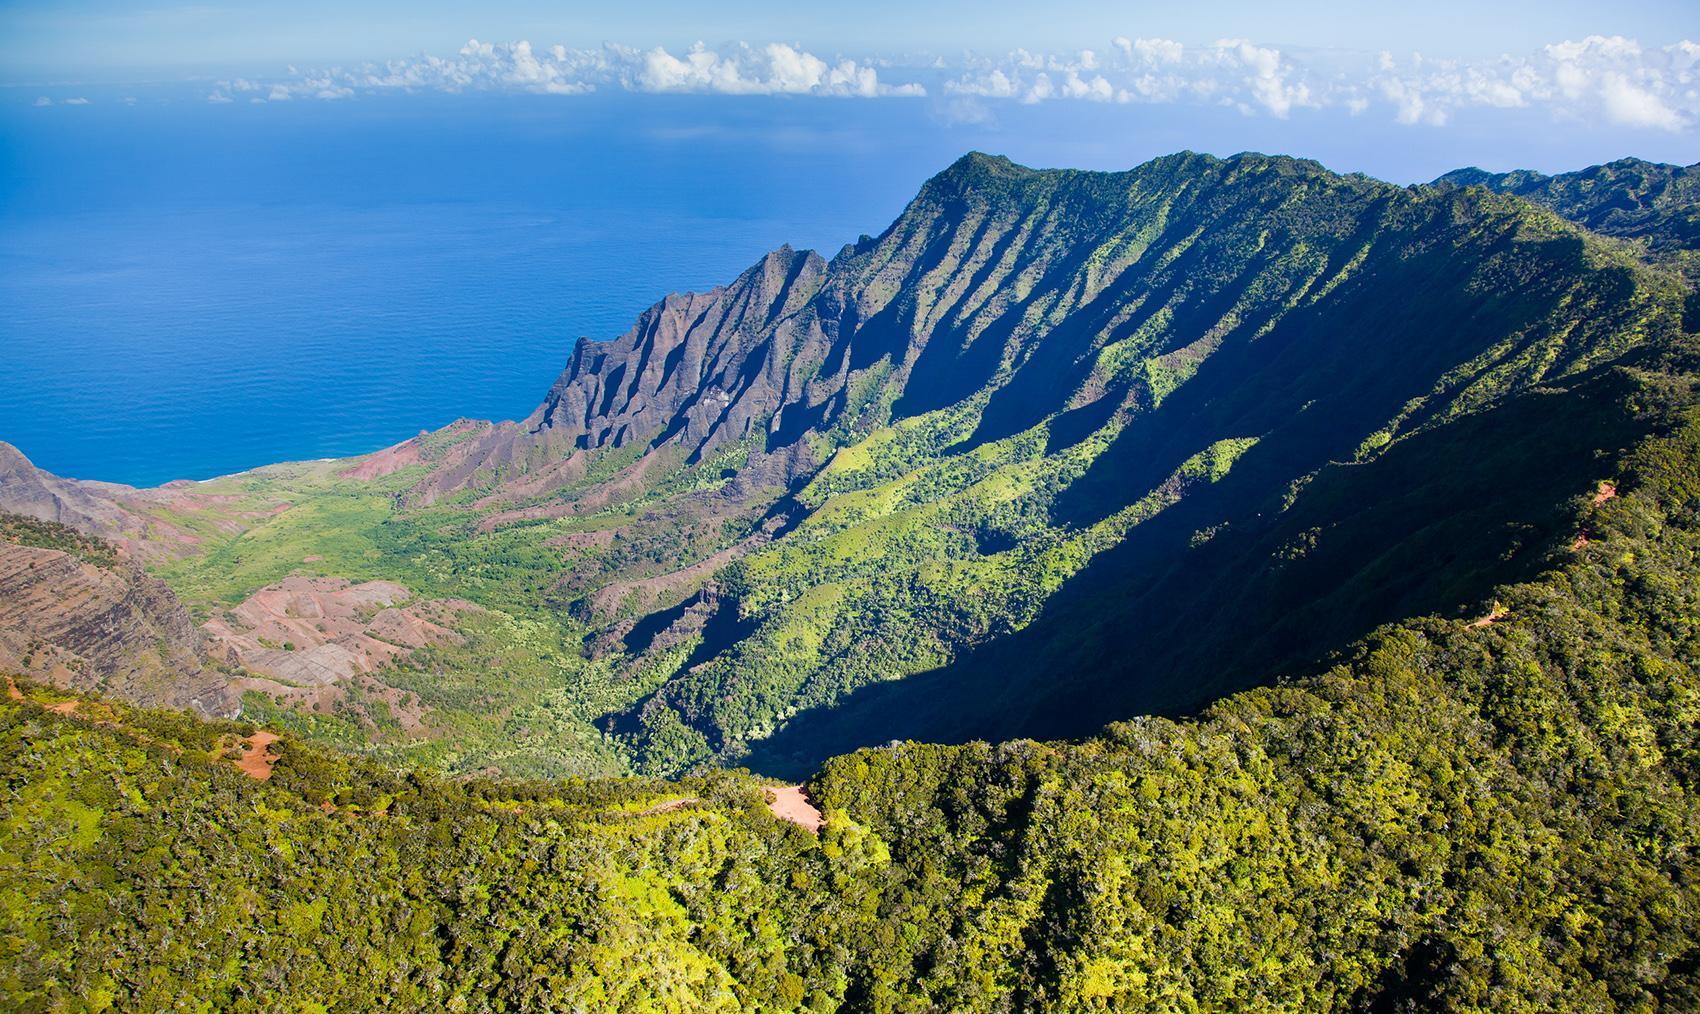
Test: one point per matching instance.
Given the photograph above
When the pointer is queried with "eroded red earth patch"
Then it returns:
(258, 761)
(790, 802)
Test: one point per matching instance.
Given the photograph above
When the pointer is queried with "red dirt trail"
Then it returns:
(1607, 491)
(258, 762)
(1498, 613)
(789, 802)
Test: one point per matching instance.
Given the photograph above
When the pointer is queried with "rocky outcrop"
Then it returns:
(88, 507)
(697, 372)
(318, 631)
(306, 642)
(108, 629)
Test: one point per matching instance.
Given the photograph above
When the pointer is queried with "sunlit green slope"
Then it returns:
(1491, 815)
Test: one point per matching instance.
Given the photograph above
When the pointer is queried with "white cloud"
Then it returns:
(1599, 79)
(78, 101)
(1609, 80)
(1634, 106)
(1264, 76)
(774, 69)
(42, 101)
(1234, 71)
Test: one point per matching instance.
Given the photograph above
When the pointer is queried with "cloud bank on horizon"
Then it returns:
(1607, 79)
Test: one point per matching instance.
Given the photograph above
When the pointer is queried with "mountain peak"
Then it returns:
(1630, 198)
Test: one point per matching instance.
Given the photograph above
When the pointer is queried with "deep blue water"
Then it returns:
(189, 290)
(185, 295)
(193, 343)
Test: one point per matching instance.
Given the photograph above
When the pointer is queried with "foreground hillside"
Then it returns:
(1055, 448)
(1495, 814)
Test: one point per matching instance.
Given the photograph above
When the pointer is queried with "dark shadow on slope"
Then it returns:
(1324, 377)
(1160, 625)
(642, 636)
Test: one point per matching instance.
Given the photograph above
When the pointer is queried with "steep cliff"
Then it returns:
(696, 372)
(75, 615)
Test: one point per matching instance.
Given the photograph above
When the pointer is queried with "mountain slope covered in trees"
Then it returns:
(1055, 448)
(1294, 575)
(1466, 815)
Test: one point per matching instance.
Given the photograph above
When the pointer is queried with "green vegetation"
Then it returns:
(1099, 420)
(1474, 817)
(1382, 505)
(23, 531)
(1186, 348)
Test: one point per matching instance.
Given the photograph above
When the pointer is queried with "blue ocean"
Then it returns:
(189, 290)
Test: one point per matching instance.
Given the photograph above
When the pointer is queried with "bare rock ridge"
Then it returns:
(1031, 288)
(112, 629)
(306, 640)
(85, 506)
(798, 345)
(697, 372)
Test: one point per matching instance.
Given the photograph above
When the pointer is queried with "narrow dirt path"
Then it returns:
(668, 807)
(790, 802)
(62, 708)
(1499, 612)
(258, 762)
(1606, 492)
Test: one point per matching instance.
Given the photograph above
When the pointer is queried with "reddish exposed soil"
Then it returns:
(62, 708)
(307, 633)
(668, 807)
(1498, 613)
(790, 802)
(1606, 492)
(387, 461)
(258, 762)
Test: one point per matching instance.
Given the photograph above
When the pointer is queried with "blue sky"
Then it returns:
(1619, 78)
(66, 40)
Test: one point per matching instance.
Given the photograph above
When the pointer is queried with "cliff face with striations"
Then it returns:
(86, 506)
(109, 628)
(696, 372)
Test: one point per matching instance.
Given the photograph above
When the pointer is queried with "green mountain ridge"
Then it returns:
(1056, 447)
(1630, 198)
(1173, 349)
(1461, 816)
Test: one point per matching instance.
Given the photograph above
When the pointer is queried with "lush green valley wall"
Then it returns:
(1481, 816)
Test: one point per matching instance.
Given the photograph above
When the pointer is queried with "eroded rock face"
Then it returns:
(128, 518)
(85, 506)
(697, 372)
(305, 639)
(114, 630)
(318, 631)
